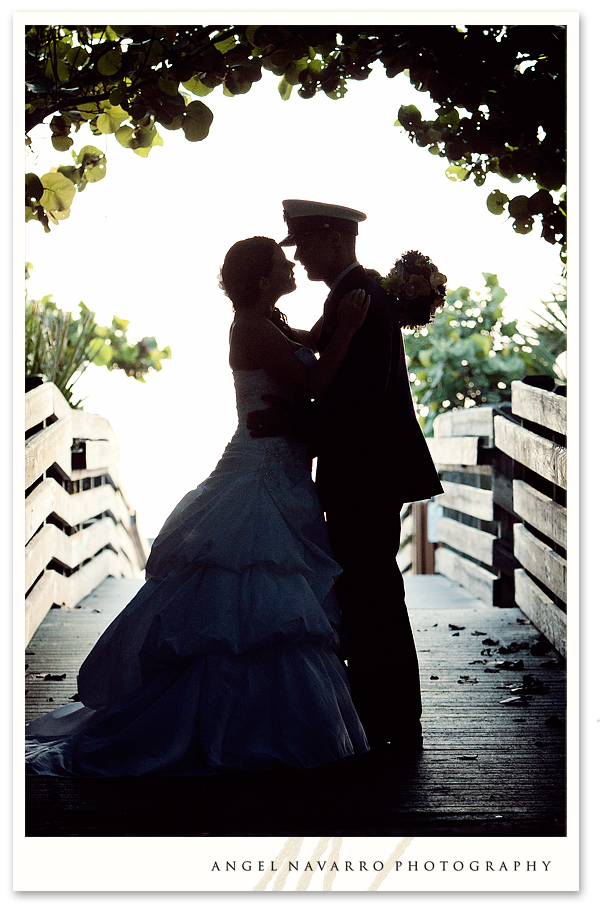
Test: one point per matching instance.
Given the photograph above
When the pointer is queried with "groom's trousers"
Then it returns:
(377, 639)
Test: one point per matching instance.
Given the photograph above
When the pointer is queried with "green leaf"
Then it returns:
(61, 143)
(451, 118)
(285, 89)
(124, 136)
(110, 63)
(496, 202)
(227, 45)
(58, 193)
(96, 171)
(518, 206)
(456, 172)
(111, 119)
(197, 87)
(33, 186)
(197, 121)
(87, 155)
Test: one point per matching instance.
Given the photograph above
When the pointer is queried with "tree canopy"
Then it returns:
(500, 93)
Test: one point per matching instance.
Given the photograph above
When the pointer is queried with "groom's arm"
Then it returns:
(282, 419)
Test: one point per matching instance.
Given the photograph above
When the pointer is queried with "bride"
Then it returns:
(226, 657)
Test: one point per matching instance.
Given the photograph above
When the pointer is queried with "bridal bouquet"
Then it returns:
(418, 286)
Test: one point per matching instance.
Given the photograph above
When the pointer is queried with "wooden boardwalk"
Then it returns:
(493, 762)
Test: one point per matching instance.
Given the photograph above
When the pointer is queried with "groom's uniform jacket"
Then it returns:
(368, 439)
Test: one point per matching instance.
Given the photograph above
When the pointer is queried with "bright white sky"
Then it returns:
(146, 244)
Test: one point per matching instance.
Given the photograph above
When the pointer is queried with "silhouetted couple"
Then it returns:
(234, 653)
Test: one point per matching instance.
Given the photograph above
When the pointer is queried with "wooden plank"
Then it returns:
(43, 402)
(480, 469)
(101, 454)
(127, 545)
(404, 558)
(470, 541)
(546, 458)
(38, 405)
(49, 497)
(477, 580)
(91, 426)
(469, 500)
(54, 588)
(51, 543)
(540, 560)
(543, 613)
(406, 527)
(539, 406)
(459, 450)
(49, 446)
(541, 512)
(38, 603)
(477, 421)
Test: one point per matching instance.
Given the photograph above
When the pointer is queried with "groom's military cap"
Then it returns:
(304, 218)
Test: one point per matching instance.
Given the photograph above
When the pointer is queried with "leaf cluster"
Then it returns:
(500, 91)
(60, 346)
(470, 354)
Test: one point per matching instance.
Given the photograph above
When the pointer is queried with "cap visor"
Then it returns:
(288, 241)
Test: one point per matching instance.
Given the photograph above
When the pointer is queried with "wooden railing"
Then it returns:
(502, 534)
(79, 525)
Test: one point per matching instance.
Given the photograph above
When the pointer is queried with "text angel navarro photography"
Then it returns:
(441, 865)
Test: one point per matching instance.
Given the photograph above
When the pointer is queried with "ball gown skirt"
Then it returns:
(226, 657)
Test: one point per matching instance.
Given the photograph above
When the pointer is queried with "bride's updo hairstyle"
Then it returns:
(245, 264)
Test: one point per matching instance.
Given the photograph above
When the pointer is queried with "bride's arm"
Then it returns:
(260, 342)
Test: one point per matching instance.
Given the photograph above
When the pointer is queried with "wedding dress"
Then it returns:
(225, 659)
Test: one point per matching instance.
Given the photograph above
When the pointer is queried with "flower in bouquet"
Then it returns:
(418, 286)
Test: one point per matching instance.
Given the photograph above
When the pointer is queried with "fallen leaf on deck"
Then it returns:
(524, 622)
(477, 662)
(491, 670)
(530, 684)
(490, 641)
(541, 647)
(455, 634)
(451, 626)
(434, 677)
(51, 677)
(478, 633)
(467, 679)
(511, 665)
(468, 757)
(512, 647)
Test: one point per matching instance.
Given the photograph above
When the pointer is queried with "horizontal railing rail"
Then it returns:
(502, 531)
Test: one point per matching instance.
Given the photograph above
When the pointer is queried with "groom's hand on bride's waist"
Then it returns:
(272, 421)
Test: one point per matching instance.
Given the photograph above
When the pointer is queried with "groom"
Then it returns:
(371, 458)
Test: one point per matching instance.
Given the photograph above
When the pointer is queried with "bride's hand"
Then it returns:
(352, 310)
